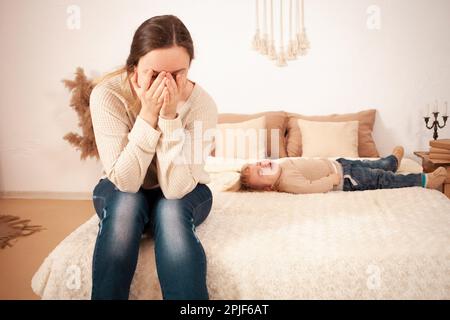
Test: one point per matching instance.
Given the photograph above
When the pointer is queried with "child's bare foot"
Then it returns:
(436, 178)
(398, 152)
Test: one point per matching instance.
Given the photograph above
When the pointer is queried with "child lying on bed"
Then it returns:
(300, 175)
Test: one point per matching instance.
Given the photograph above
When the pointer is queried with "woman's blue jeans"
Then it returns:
(124, 217)
(362, 175)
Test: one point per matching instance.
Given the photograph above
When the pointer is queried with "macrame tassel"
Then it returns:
(297, 42)
(295, 36)
(291, 51)
(257, 38)
(256, 41)
(263, 48)
(271, 49)
(303, 42)
(263, 45)
(272, 53)
(281, 62)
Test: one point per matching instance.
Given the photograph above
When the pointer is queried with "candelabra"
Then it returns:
(435, 125)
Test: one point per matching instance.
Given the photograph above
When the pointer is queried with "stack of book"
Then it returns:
(440, 150)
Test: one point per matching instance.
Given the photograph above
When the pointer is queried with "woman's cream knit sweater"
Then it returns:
(134, 154)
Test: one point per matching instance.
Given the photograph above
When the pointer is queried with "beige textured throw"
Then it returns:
(380, 244)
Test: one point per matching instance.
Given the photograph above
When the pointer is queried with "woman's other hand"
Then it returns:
(171, 96)
(150, 95)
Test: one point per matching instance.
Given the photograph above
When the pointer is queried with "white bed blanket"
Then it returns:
(380, 244)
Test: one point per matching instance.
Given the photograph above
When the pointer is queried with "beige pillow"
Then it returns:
(329, 139)
(276, 122)
(241, 140)
(366, 118)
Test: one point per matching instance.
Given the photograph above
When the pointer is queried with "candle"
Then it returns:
(427, 111)
(436, 108)
(445, 108)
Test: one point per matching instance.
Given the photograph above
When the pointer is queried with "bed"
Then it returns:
(380, 244)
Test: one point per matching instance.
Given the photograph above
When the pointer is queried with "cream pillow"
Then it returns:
(241, 140)
(366, 118)
(329, 139)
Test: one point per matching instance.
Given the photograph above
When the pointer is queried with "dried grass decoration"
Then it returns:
(80, 89)
(12, 227)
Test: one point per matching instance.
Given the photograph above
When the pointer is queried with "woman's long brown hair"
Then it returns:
(158, 32)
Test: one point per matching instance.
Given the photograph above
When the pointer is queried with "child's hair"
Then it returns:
(243, 182)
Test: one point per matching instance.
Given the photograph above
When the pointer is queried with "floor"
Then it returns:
(19, 262)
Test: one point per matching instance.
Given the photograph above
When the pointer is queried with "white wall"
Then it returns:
(397, 70)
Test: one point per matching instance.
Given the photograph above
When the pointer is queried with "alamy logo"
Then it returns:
(73, 21)
(229, 143)
(73, 281)
(374, 279)
(373, 17)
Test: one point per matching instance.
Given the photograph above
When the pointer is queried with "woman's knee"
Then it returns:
(171, 213)
(125, 210)
(193, 207)
(174, 230)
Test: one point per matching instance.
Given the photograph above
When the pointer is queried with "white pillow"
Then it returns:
(242, 140)
(329, 139)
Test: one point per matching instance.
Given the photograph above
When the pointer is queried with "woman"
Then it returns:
(146, 118)
(299, 175)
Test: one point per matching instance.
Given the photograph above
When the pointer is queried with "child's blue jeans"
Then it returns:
(376, 174)
(124, 217)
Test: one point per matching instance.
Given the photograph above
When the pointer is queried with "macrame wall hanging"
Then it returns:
(264, 39)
